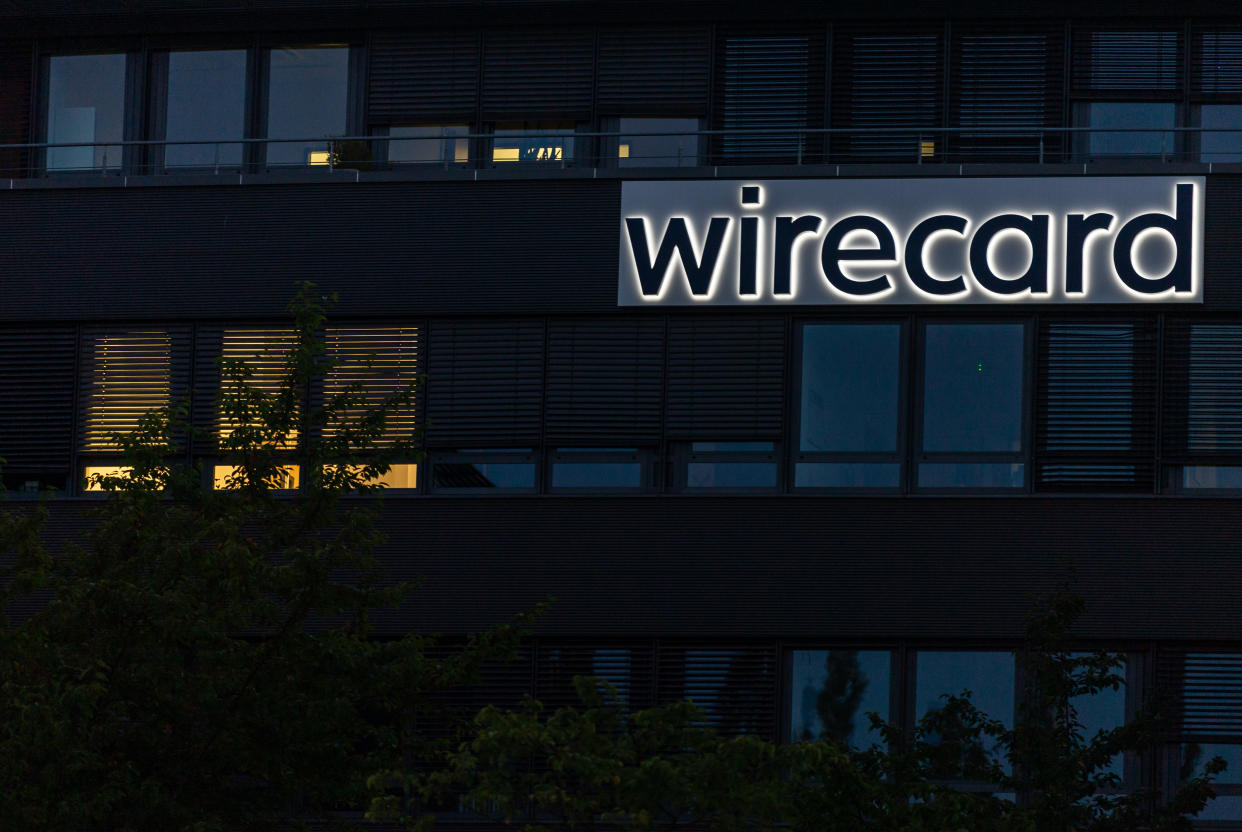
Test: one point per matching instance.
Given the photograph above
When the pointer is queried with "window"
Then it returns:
(307, 96)
(1129, 128)
(1202, 422)
(264, 353)
(848, 423)
(834, 691)
(206, 104)
(1221, 139)
(599, 469)
(86, 104)
(644, 142)
(974, 394)
(429, 144)
(988, 676)
(748, 466)
(484, 470)
(533, 141)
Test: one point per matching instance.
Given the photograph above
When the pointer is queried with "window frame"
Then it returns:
(681, 454)
(644, 456)
(499, 456)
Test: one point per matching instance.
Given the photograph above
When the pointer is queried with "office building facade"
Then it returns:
(771, 345)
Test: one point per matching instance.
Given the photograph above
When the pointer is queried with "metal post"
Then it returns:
(800, 137)
(1041, 147)
(918, 150)
(216, 165)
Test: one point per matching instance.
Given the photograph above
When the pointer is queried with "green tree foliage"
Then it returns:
(202, 660)
(599, 766)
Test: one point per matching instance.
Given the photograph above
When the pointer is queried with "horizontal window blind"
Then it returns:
(1203, 389)
(654, 71)
(1216, 64)
(1011, 83)
(264, 352)
(37, 370)
(426, 77)
(630, 669)
(726, 378)
(769, 82)
(1127, 64)
(605, 382)
(485, 383)
(538, 73)
(372, 365)
(887, 79)
(734, 686)
(1206, 692)
(124, 374)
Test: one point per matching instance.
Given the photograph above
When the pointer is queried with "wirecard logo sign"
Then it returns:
(912, 241)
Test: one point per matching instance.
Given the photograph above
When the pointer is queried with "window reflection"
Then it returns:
(1214, 144)
(972, 387)
(850, 377)
(441, 144)
(206, 102)
(988, 676)
(835, 690)
(1150, 122)
(597, 468)
(86, 103)
(749, 465)
(485, 470)
(307, 97)
(637, 150)
(533, 141)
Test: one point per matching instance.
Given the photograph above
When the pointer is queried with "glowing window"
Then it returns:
(533, 141)
(286, 477)
(126, 375)
(371, 365)
(91, 471)
(265, 352)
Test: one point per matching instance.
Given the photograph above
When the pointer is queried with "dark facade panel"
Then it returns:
(1128, 61)
(389, 249)
(1222, 242)
(531, 74)
(426, 77)
(16, 82)
(652, 71)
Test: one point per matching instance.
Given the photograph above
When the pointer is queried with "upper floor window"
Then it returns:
(307, 101)
(85, 108)
(656, 142)
(974, 405)
(205, 103)
(533, 141)
(1130, 128)
(429, 144)
(834, 691)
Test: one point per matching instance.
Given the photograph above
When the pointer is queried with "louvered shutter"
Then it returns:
(885, 80)
(16, 61)
(485, 383)
(1205, 690)
(37, 368)
(605, 382)
(1127, 64)
(772, 82)
(124, 373)
(726, 378)
(1011, 83)
(734, 686)
(654, 71)
(1097, 402)
(1203, 389)
(423, 77)
(538, 73)
(379, 363)
(264, 350)
(628, 668)
(1216, 64)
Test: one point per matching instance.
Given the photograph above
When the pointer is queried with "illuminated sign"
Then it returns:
(1099, 239)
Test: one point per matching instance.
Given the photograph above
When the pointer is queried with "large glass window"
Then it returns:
(599, 469)
(548, 142)
(675, 142)
(848, 428)
(833, 693)
(1221, 139)
(484, 471)
(206, 103)
(988, 677)
(307, 98)
(86, 103)
(743, 465)
(973, 405)
(1130, 128)
(429, 144)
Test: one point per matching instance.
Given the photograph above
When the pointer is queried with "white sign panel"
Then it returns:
(1097, 239)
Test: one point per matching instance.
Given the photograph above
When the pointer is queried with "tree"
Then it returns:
(664, 768)
(203, 659)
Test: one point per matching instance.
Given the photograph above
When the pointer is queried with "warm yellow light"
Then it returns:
(318, 157)
(103, 471)
(461, 153)
(624, 152)
(927, 148)
(400, 475)
(288, 474)
(506, 154)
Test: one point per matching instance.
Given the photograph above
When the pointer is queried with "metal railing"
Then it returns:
(631, 149)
